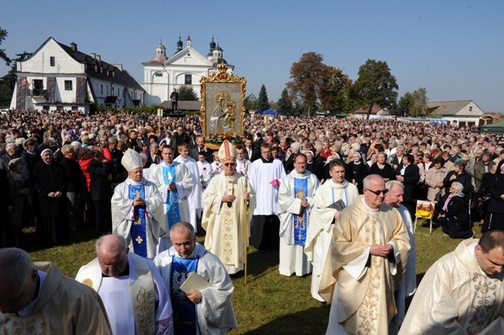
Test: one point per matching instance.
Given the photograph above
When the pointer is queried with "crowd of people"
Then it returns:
(337, 197)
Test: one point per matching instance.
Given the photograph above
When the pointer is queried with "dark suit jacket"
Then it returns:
(194, 151)
(256, 154)
(411, 178)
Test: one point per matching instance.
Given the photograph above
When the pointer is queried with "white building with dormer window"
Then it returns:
(60, 77)
(185, 67)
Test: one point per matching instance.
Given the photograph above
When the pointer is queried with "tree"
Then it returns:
(375, 85)
(263, 102)
(334, 90)
(307, 79)
(187, 93)
(251, 102)
(284, 103)
(8, 82)
(414, 104)
(3, 55)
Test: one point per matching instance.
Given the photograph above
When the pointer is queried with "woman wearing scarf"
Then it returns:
(454, 213)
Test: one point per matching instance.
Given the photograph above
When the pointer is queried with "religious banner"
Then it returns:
(222, 109)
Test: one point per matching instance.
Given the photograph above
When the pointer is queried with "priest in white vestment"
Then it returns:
(324, 216)
(175, 183)
(132, 290)
(194, 198)
(407, 287)
(198, 310)
(369, 255)
(35, 298)
(295, 202)
(137, 209)
(462, 292)
(265, 175)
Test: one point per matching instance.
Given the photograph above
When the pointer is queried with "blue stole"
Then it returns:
(300, 221)
(185, 320)
(138, 228)
(172, 205)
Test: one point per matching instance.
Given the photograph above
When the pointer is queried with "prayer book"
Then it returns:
(338, 205)
(194, 282)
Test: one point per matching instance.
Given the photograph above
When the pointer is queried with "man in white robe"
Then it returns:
(194, 198)
(132, 290)
(407, 287)
(369, 254)
(228, 210)
(206, 310)
(242, 163)
(323, 217)
(204, 177)
(295, 201)
(32, 296)
(175, 183)
(462, 292)
(265, 175)
(137, 209)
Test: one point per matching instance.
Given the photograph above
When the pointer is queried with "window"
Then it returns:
(188, 79)
(52, 61)
(470, 108)
(68, 85)
(38, 87)
(101, 88)
(159, 74)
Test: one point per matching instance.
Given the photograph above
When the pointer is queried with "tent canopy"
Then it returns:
(496, 128)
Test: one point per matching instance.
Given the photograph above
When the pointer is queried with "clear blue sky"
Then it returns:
(455, 49)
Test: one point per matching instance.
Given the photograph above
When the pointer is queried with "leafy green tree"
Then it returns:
(3, 55)
(375, 84)
(284, 103)
(404, 105)
(334, 90)
(187, 93)
(414, 104)
(263, 102)
(307, 79)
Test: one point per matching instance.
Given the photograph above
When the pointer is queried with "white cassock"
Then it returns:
(260, 175)
(408, 285)
(320, 228)
(136, 303)
(194, 198)
(457, 297)
(184, 183)
(214, 313)
(205, 174)
(294, 188)
(123, 215)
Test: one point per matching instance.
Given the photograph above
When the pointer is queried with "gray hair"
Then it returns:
(112, 243)
(457, 186)
(390, 184)
(369, 177)
(18, 264)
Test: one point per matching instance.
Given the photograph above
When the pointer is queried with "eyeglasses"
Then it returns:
(378, 192)
(229, 164)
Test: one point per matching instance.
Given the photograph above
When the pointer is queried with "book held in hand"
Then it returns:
(194, 282)
(338, 205)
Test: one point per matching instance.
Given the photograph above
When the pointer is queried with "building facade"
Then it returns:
(186, 66)
(60, 77)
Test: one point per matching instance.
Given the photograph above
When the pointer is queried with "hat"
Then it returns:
(227, 152)
(131, 160)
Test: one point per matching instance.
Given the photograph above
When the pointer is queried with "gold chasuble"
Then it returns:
(365, 284)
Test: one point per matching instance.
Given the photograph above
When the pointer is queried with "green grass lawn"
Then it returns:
(268, 303)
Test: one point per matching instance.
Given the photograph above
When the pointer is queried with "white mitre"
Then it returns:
(131, 160)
